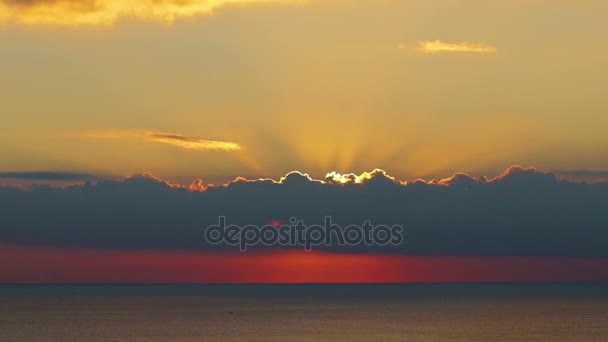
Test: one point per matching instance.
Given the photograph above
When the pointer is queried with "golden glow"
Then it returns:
(191, 143)
(106, 12)
(438, 46)
(3, 13)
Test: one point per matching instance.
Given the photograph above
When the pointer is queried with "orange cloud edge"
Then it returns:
(336, 179)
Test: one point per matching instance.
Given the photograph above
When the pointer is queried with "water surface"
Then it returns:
(542, 312)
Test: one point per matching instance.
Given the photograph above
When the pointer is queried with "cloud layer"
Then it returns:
(520, 212)
(106, 12)
(191, 143)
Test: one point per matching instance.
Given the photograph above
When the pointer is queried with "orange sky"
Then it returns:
(216, 89)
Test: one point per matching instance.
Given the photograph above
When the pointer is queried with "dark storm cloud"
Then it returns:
(521, 212)
(47, 176)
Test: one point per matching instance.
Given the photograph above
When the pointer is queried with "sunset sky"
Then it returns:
(127, 126)
(418, 88)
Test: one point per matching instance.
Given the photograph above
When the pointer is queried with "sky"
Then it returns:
(417, 88)
(127, 126)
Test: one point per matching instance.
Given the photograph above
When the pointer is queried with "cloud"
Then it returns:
(190, 143)
(521, 212)
(193, 143)
(438, 46)
(106, 12)
(47, 175)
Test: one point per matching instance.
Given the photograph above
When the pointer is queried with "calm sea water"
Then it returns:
(556, 312)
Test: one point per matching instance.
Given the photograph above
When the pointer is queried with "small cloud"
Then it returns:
(438, 46)
(186, 142)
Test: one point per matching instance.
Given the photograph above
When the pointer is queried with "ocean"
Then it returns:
(408, 312)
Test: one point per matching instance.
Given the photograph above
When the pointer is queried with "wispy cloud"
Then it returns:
(106, 12)
(191, 143)
(438, 46)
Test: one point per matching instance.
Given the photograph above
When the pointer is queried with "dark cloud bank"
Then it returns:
(522, 212)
